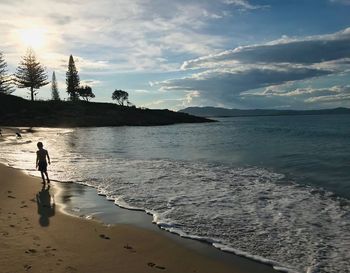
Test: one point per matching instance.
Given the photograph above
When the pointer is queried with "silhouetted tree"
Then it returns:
(120, 96)
(86, 92)
(30, 74)
(54, 90)
(5, 80)
(72, 80)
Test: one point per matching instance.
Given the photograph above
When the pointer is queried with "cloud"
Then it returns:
(228, 87)
(309, 50)
(243, 4)
(90, 82)
(329, 98)
(122, 36)
(237, 81)
(332, 94)
(344, 2)
(142, 91)
(236, 77)
(305, 92)
(130, 35)
(300, 98)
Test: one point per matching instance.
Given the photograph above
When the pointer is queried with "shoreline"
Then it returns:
(197, 254)
(110, 213)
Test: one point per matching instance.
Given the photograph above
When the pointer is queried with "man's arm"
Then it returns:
(37, 160)
(48, 157)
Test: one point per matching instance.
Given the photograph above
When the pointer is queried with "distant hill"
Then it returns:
(16, 111)
(224, 112)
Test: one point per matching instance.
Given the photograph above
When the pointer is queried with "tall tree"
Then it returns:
(86, 92)
(54, 89)
(120, 96)
(72, 80)
(5, 80)
(30, 74)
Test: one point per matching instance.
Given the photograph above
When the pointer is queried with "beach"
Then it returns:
(184, 198)
(63, 243)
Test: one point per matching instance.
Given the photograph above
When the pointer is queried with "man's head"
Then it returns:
(40, 145)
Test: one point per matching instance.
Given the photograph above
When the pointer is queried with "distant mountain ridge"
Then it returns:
(226, 112)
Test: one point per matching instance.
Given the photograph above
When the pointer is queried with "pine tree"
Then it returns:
(72, 80)
(54, 90)
(30, 74)
(5, 80)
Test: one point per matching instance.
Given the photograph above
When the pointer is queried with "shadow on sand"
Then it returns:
(46, 205)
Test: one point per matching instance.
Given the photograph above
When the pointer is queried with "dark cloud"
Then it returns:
(226, 87)
(310, 50)
(239, 81)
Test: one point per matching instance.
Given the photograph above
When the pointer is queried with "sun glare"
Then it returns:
(34, 37)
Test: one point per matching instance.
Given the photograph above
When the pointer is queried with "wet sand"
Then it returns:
(37, 237)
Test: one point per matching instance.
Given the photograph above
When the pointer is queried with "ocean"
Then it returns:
(274, 189)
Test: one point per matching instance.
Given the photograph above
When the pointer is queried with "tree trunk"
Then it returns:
(32, 93)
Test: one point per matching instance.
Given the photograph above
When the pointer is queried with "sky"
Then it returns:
(268, 54)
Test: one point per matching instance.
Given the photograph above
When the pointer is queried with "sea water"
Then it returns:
(275, 189)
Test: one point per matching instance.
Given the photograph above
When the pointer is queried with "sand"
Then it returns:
(37, 237)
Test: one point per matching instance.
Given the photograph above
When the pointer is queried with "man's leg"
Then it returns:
(47, 177)
(42, 176)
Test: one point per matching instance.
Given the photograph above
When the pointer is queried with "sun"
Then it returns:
(33, 37)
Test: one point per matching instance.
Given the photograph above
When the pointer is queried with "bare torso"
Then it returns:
(41, 155)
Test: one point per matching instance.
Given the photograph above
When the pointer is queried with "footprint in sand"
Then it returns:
(10, 196)
(70, 269)
(150, 264)
(104, 237)
(31, 251)
(130, 248)
(27, 267)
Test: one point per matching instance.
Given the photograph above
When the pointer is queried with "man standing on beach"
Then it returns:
(41, 162)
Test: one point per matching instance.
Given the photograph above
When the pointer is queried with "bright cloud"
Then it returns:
(131, 35)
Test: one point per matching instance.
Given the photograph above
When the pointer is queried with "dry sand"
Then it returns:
(36, 237)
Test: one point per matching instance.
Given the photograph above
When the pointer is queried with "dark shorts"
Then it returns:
(42, 166)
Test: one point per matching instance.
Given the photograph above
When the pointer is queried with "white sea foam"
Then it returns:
(250, 211)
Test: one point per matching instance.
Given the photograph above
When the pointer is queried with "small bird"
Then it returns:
(18, 135)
